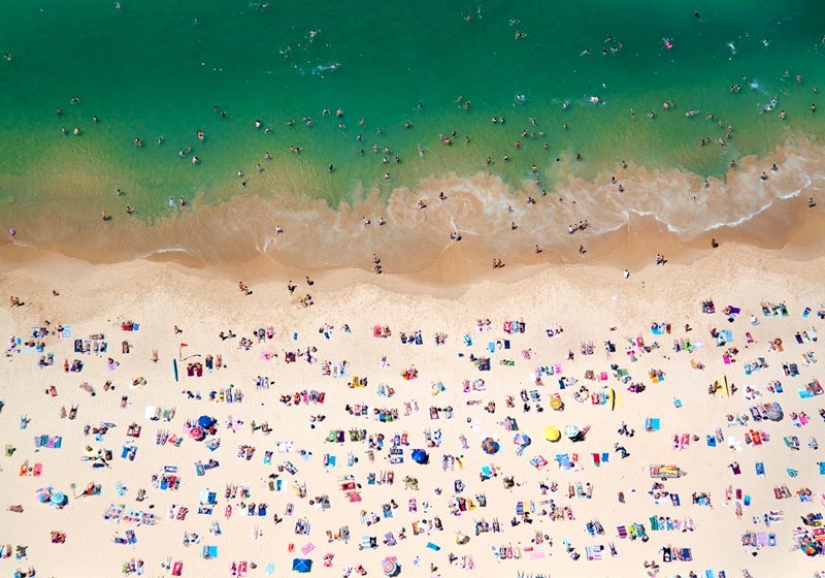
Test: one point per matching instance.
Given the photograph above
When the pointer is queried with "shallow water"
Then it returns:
(151, 69)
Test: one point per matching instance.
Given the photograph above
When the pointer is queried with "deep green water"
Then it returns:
(153, 68)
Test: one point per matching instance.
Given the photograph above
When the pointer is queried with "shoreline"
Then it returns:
(460, 265)
(243, 231)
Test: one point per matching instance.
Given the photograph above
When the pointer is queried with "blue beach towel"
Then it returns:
(652, 424)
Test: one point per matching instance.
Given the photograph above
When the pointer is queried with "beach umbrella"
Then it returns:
(197, 433)
(552, 434)
(809, 547)
(59, 499)
(420, 457)
(490, 446)
(205, 421)
(571, 431)
(390, 566)
(522, 439)
(44, 495)
(774, 411)
(301, 565)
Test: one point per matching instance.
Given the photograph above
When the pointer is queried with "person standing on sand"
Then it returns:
(626, 274)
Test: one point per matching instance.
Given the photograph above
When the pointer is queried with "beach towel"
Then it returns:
(594, 552)
(652, 424)
(209, 552)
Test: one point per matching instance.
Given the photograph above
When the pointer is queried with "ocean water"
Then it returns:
(568, 79)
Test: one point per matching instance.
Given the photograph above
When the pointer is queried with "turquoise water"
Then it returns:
(153, 68)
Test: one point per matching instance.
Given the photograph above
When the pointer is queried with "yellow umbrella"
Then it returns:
(552, 434)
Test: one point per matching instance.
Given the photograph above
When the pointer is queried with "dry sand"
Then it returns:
(592, 302)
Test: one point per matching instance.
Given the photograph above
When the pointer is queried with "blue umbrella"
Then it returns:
(205, 421)
(490, 446)
(302, 565)
(420, 457)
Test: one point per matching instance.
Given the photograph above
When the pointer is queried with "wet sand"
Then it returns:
(675, 207)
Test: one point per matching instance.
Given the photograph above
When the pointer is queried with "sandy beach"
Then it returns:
(303, 425)
(425, 290)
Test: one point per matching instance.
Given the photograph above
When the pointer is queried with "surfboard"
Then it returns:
(612, 399)
(175, 368)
